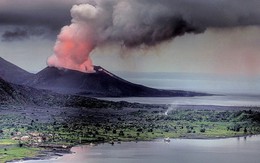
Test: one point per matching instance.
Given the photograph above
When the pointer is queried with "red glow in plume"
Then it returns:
(129, 23)
(73, 46)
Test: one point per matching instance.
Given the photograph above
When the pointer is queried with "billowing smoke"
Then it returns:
(135, 23)
(113, 21)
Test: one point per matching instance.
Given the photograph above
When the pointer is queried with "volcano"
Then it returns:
(13, 73)
(102, 83)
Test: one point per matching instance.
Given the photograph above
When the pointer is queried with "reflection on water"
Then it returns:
(231, 150)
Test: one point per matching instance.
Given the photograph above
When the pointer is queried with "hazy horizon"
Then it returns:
(202, 82)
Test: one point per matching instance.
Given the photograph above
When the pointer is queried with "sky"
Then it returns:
(215, 37)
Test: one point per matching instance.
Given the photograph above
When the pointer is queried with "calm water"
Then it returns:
(231, 150)
(229, 100)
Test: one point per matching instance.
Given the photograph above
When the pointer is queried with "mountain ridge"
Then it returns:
(12, 73)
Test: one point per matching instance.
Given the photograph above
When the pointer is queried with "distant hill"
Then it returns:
(13, 73)
(100, 84)
(10, 95)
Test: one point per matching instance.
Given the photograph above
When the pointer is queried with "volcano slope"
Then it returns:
(13, 73)
(102, 83)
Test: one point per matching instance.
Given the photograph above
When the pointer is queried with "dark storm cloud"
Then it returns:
(34, 17)
(52, 14)
(155, 20)
(22, 33)
(17, 34)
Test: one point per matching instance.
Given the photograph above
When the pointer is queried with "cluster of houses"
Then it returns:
(33, 137)
(37, 139)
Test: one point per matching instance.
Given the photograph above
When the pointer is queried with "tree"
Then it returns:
(245, 130)
(121, 133)
(20, 144)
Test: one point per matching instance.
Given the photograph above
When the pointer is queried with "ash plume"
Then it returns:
(135, 23)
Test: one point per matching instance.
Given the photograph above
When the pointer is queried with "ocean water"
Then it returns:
(227, 100)
(230, 150)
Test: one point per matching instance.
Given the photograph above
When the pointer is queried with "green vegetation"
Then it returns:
(12, 149)
(8, 153)
(7, 142)
(22, 133)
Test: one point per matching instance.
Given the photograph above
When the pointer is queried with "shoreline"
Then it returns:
(49, 153)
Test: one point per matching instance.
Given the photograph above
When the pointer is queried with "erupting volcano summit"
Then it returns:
(127, 23)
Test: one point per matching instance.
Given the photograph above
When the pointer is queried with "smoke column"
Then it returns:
(102, 22)
(135, 23)
(76, 41)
